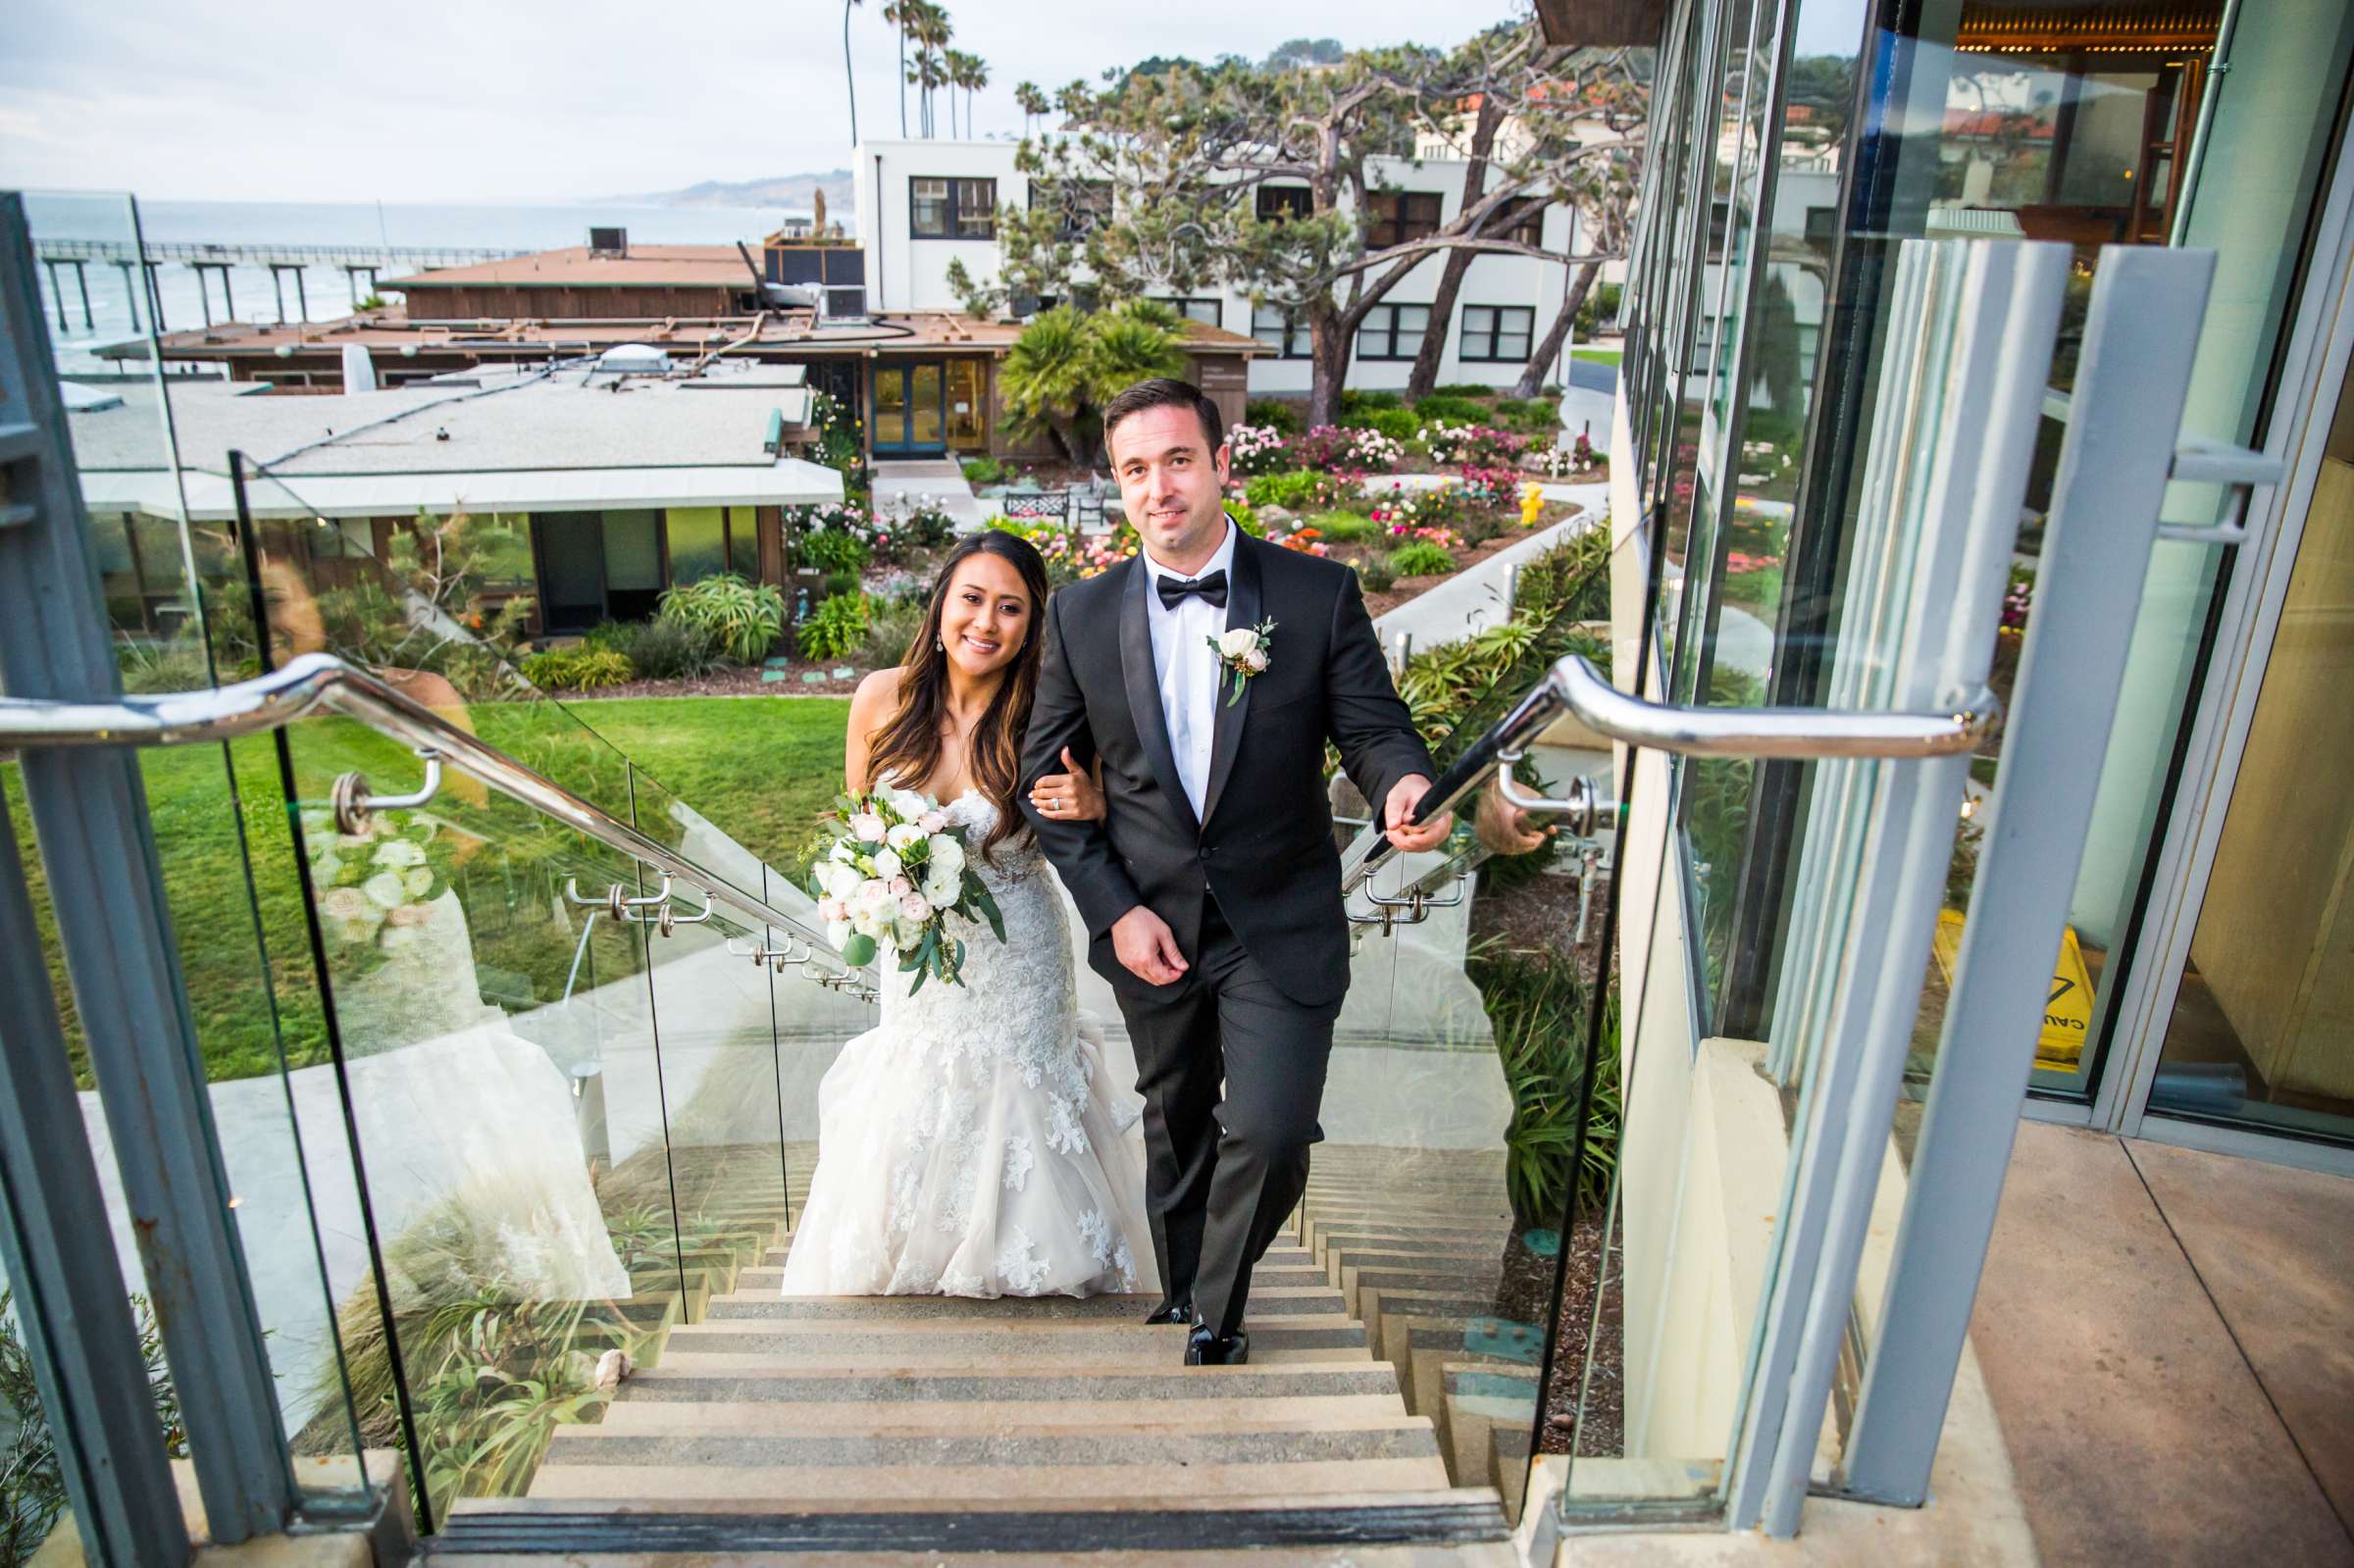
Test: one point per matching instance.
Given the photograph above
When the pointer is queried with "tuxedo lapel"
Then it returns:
(1143, 679)
(1242, 609)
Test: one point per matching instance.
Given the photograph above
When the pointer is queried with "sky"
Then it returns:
(516, 101)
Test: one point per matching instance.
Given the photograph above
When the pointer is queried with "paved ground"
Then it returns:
(938, 481)
(2169, 1338)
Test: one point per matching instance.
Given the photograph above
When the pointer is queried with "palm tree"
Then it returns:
(900, 14)
(848, 75)
(1033, 104)
(932, 31)
(971, 73)
(1045, 378)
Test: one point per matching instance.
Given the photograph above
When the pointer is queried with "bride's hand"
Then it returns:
(1070, 797)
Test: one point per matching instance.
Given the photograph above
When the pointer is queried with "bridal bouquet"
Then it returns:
(893, 872)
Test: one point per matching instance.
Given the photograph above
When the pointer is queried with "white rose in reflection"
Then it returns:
(349, 915)
(419, 881)
(385, 889)
(399, 854)
(395, 938)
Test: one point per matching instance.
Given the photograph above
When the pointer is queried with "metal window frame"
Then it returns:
(1494, 335)
(2133, 379)
(1994, 308)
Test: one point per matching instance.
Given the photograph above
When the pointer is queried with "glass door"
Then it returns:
(910, 413)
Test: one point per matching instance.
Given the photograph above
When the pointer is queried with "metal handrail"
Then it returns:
(321, 681)
(1574, 687)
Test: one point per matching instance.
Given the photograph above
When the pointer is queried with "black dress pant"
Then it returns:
(1223, 1171)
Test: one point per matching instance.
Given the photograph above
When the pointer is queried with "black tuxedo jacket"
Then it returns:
(1263, 842)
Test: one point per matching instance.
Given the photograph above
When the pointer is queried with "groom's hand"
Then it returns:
(1397, 815)
(1146, 947)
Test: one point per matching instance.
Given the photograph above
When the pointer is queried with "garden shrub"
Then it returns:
(672, 651)
(1343, 528)
(835, 584)
(891, 628)
(835, 628)
(1420, 558)
(1354, 400)
(1245, 518)
(984, 471)
(1274, 413)
(1540, 1009)
(32, 1485)
(834, 550)
(581, 668)
(1397, 424)
(1376, 574)
(1460, 390)
(1299, 490)
(1448, 408)
(744, 619)
(1258, 449)
(1481, 445)
(1532, 415)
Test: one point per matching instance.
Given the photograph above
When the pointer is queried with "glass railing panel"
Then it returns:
(173, 588)
(718, 1023)
(503, 1213)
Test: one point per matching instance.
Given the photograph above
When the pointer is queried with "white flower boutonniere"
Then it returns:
(1243, 653)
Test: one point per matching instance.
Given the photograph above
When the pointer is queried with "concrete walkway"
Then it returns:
(939, 481)
(2169, 1339)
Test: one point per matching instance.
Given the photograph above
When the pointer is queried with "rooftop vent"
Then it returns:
(840, 304)
(634, 359)
(609, 241)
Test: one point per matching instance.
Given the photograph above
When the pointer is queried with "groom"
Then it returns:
(1211, 891)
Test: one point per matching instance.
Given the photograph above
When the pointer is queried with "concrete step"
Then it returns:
(1028, 1447)
(919, 1343)
(792, 1417)
(641, 1485)
(1108, 1385)
(1285, 1301)
(1479, 1397)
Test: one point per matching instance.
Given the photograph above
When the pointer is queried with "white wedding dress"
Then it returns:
(973, 1145)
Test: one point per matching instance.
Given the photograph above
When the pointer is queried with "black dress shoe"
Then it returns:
(1171, 1312)
(1204, 1349)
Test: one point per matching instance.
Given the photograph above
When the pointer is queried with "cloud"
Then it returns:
(539, 103)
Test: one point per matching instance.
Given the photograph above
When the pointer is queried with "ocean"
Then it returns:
(80, 216)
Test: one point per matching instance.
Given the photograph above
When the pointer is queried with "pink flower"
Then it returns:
(900, 886)
(868, 827)
(832, 909)
(913, 906)
(932, 821)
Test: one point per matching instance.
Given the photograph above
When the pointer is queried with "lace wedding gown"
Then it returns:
(973, 1145)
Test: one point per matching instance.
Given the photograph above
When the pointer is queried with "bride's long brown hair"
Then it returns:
(908, 743)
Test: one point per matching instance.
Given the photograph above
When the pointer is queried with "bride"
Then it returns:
(973, 1145)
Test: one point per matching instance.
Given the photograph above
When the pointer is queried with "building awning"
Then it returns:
(789, 482)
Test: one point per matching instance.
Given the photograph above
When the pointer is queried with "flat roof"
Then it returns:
(385, 333)
(577, 267)
(570, 438)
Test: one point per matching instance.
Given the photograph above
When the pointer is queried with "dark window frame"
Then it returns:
(1494, 337)
(1293, 331)
(1389, 334)
(1286, 201)
(1411, 215)
(957, 207)
(1178, 303)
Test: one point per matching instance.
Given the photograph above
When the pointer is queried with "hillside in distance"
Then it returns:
(793, 192)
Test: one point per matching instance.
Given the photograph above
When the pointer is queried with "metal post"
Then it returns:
(155, 296)
(302, 295)
(277, 288)
(131, 293)
(58, 294)
(2132, 382)
(82, 283)
(89, 814)
(58, 1251)
(203, 293)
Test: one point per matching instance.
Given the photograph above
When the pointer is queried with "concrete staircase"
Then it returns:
(818, 1427)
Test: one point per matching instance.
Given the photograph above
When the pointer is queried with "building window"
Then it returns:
(1282, 201)
(1208, 312)
(940, 208)
(1085, 208)
(1393, 332)
(1281, 330)
(1401, 217)
(1498, 332)
(1520, 222)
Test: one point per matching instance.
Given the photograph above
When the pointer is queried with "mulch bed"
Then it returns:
(1410, 588)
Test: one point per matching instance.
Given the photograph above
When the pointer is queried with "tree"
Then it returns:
(1487, 118)
(900, 14)
(1033, 103)
(1188, 149)
(970, 73)
(1065, 367)
(848, 75)
(1306, 52)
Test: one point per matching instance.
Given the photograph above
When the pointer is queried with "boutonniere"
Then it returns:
(1243, 653)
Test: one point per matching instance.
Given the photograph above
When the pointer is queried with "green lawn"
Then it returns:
(760, 768)
(1599, 356)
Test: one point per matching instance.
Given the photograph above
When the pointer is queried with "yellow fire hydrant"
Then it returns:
(1532, 505)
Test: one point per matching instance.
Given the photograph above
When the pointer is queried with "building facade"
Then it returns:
(925, 204)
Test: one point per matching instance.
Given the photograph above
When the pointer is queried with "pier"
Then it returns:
(57, 256)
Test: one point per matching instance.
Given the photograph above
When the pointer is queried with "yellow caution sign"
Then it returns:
(2066, 1016)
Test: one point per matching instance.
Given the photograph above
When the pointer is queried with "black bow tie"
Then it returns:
(1212, 587)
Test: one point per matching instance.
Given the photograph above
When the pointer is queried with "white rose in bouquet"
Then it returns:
(946, 853)
(902, 834)
(886, 864)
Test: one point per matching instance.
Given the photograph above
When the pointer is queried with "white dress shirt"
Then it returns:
(1188, 668)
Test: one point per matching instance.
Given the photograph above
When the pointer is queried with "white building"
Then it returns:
(923, 204)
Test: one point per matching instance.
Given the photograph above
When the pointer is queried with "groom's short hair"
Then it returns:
(1165, 391)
